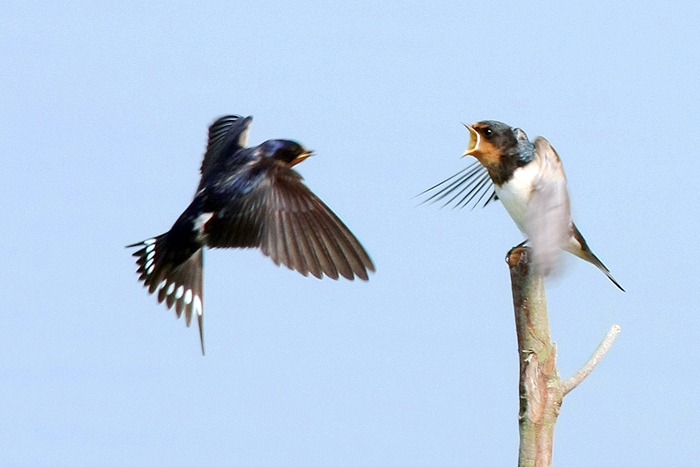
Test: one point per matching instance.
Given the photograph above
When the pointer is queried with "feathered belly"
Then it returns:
(515, 194)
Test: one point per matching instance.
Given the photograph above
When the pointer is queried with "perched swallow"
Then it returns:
(529, 180)
(247, 197)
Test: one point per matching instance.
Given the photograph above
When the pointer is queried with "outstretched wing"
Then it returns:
(226, 135)
(291, 225)
(471, 184)
(548, 224)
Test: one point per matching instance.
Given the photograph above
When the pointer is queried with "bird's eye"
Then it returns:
(488, 132)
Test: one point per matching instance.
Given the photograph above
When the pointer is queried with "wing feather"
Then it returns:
(548, 224)
(226, 135)
(291, 225)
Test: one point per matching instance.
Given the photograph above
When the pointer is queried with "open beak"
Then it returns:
(301, 157)
(474, 140)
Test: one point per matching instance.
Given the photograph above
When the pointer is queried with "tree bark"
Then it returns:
(541, 389)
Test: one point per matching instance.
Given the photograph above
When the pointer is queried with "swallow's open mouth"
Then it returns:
(473, 140)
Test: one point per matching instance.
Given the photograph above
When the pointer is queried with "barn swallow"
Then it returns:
(247, 198)
(529, 180)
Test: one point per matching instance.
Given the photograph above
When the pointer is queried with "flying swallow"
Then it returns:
(247, 198)
(529, 180)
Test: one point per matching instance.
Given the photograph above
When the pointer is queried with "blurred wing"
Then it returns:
(226, 135)
(471, 184)
(548, 225)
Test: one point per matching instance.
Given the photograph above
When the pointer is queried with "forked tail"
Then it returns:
(585, 253)
(175, 274)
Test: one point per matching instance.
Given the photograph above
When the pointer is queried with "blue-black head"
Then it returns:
(491, 142)
(500, 148)
(284, 150)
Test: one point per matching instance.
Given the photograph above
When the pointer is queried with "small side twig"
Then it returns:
(568, 385)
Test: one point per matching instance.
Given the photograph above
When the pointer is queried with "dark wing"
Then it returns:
(292, 226)
(548, 224)
(471, 184)
(239, 211)
(226, 135)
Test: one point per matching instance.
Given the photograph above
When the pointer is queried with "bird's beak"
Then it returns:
(474, 140)
(302, 156)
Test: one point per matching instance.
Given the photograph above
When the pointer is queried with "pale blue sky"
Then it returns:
(105, 108)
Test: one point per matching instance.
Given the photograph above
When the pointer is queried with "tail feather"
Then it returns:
(581, 249)
(593, 259)
(177, 280)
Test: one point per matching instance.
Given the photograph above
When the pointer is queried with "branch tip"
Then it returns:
(568, 385)
(514, 254)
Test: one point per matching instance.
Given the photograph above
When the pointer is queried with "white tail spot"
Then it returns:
(150, 269)
(197, 306)
(150, 248)
(148, 263)
(178, 293)
(171, 287)
(150, 241)
(188, 297)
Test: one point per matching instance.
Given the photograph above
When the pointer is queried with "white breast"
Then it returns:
(515, 194)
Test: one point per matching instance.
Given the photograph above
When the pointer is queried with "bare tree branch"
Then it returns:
(597, 356)
(541, 390)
